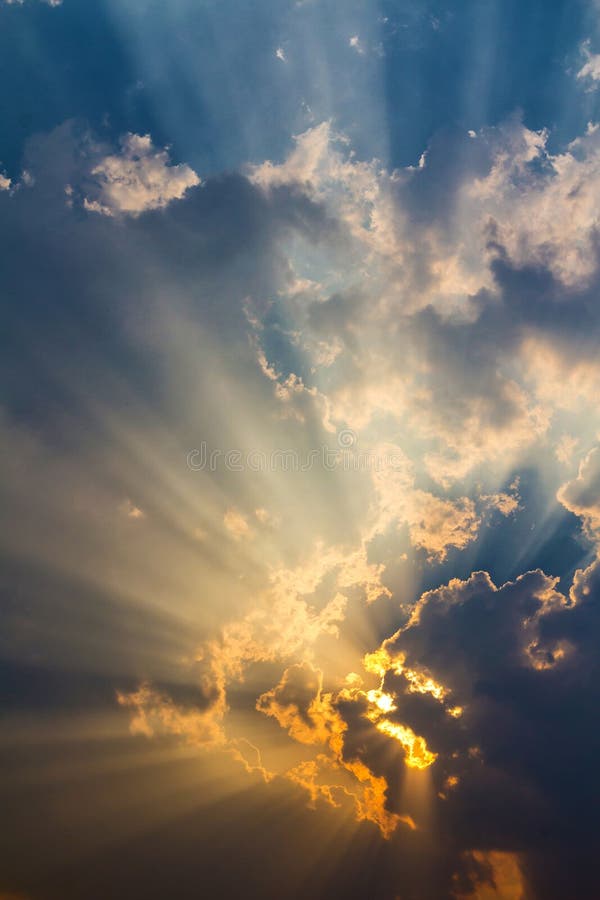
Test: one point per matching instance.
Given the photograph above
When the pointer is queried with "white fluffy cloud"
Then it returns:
(591, 68)
(137, 179)
(581, 495)
(424, 305)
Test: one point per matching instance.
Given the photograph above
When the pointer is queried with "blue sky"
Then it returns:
(204, 77)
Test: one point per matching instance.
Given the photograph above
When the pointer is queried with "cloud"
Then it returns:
(591, 67)
(518, 663)
(21, 2)
(137, 179)
(132, 511)
(456, 362)
(156, 714)
(302, 163)
(490, 875)
(237, 524)
(312, 716)
(521, 202)
(581, 495)
(7, 184)
(506, 503)
(298, 705)
(452, 344)
(282, 625)
(356, 44)
(453, 691)
(435, 524)
(565, 448)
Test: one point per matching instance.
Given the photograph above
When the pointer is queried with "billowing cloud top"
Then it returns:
(137, 179)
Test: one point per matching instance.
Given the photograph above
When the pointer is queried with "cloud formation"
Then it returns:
(581, 496)
(591, 67)
(514, 668)
(449, 337)
(457, 369)
(137, 179)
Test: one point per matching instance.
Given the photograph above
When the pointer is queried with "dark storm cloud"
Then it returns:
(520, 660)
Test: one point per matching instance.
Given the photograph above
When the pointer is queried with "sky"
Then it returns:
(300, 444)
